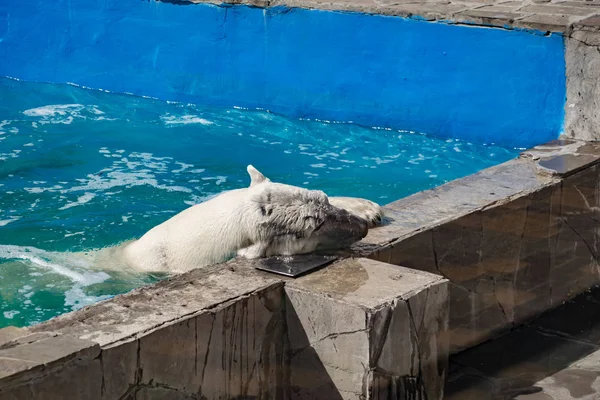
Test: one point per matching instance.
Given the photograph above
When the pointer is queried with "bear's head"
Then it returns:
(287, 220)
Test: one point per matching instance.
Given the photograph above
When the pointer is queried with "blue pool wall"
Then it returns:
(474, 83)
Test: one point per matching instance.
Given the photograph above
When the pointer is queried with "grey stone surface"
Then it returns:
(236, 350)
(582, 120)
(218, 333)
(361, 327)
(542, 15)
(352, 330)
(10, 333)
(119, 369)
(78, 381)
(508, 259)
(28, 366)
(431, 208)
(556, 357)
(140, 311)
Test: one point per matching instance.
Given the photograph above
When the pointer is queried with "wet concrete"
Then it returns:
(555, 357)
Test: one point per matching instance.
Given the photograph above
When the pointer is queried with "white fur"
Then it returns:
(362, 208)
(264, 219)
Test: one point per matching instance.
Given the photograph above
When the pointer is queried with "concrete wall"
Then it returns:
(474, 83)
(582, 120)
(359, 329)
(513, 240)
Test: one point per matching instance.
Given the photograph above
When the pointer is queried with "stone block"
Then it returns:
(22, 362)
(146, 308)
(513, 258)
(168, 356)
(544, 22)
(218, 333)
(242, 350)
(119, 369)
(52, 349)
(81, 380)
(556, 9)
(360, 327)
(582, 121)
(414, 252)
(10, 333)
(492, 18)
(234, 350)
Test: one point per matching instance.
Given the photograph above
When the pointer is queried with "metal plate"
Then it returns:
(294, 266)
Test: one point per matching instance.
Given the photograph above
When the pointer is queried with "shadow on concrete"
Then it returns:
(309, 379)
(509, 367)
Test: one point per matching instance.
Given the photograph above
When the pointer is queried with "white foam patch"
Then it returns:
(186, 119)
(4, 222)
(74, 234)
(10, 314)
(64, 113)
(87, 197)
(76, 298)
(134, 169)
(59, 263)
(63, 264)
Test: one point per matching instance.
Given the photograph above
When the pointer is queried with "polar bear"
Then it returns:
(262, 220)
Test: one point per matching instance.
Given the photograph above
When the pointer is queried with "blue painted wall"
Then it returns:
(475, 83)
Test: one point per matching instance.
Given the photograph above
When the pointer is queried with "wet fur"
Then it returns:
(264, 219)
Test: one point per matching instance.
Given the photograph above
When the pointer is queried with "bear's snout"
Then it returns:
(340, 230)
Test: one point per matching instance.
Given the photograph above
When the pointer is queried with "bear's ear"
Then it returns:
(255, 176)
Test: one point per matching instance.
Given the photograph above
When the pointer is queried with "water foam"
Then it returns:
(64, 113)
(80, 201)
(63, 263)
(186, 119)
(73, 266)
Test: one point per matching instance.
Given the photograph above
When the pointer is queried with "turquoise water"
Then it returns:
(83, 169)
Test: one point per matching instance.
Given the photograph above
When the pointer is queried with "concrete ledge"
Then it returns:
(146, 309)
(364, 329)
(514, 240)
(217, 333)
(230, 331)
(545, 16)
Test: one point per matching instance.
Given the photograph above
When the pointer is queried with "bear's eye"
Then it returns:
(319, 226)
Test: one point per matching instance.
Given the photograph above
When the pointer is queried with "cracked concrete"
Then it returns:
(582, 120)
(242, 336)
(509, 259)
(351, 321)
(229, 342)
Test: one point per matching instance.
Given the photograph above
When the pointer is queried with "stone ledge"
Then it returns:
(510, 258)
(224, 332)
(551, 16)
(143, 310)
(41, 356)
(359, 328)
(211, 333)
(535, 169)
